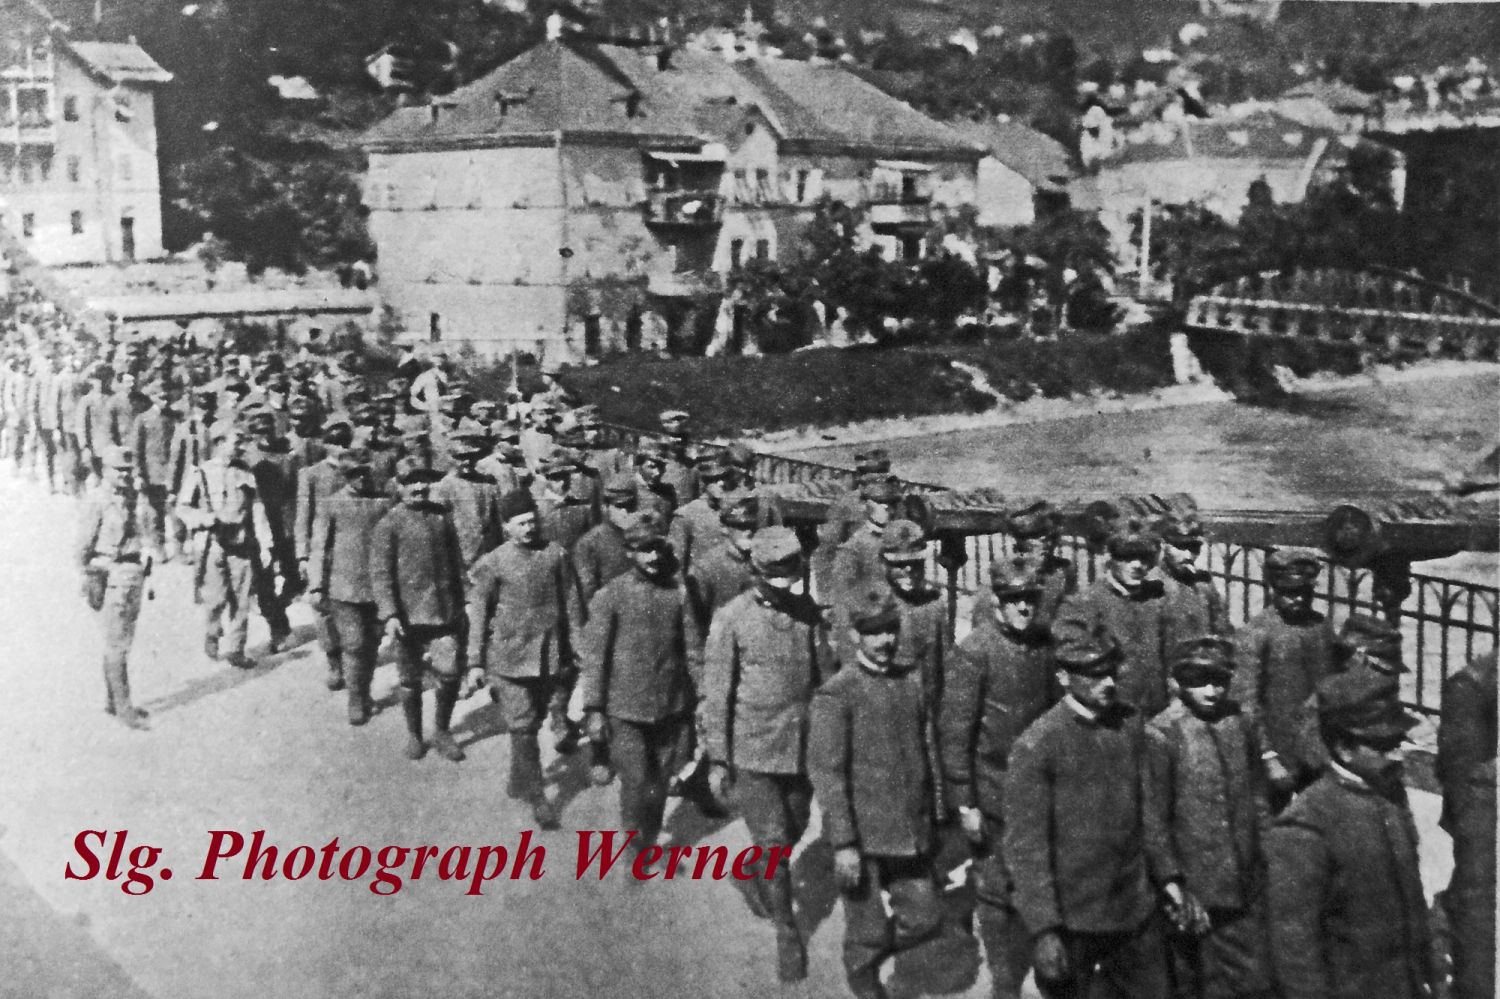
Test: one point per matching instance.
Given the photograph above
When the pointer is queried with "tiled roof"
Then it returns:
(1041, 159)
(1261, 136)
(577, 87)
(120, 62)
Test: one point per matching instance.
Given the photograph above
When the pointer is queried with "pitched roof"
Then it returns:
(1042, 160)
(586, 89)
(119, 62)
(1261, 136)
(1336, 94)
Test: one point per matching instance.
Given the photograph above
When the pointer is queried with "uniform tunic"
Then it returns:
(1278, 661)
(600, 556)
(716, 578)
(416, 566)
(641, 653)
(524, 611)
(473, 502)
(1138, 622)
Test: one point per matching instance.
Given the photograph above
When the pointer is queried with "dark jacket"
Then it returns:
(761, 665)
(565, 522)
(524, 611)
(716, 578)
(1348, 917)
(1000, 683)
(1207, 780)
(1467, 732)
(314, 486)
(641, 653)
(340, 547)
(1278, 661)
(416, 566)
(1085, 841)
(473, 502)
(154, 433)
(697, 531)
(1193, 608)
(599, 557)
(1138, 622)
(872, 757)
(1059, 579)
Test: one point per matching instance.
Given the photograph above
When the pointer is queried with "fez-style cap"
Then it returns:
(516, 503)
(1363, 705)
(620, 486)
(740, 511)
(1179, 528)
(875, 460)
(411, 470)
(1133, 541)
(775, 548)
(903, 541)
(1089, 651)
(1039, 520)
(643, 531)
(1201, 660)
(1376, 638)
(877, 613)
(1014, 577)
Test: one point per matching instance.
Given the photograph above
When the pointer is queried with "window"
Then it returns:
(762, 249)
(28, 225)
(740, 193)
(736, 253)
(44, 167)
(73, 169)
(75, 219)
(434, 326)
(762, 184)
(70, 109)
(25, 171)
(908, 188)
(801, 186)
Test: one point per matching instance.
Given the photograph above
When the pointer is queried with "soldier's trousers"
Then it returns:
(1232, 962)
(442, 646)
(270, 603)
(646, 755)
(121, 610)
(775, 808)
(1112, 965)
(870, 934)
(1007, 942)
(164, 528)
(356, 629)
(228, 585)
(44, 442)
(1470, 898)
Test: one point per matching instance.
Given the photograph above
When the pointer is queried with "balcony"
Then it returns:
(895, 212)
(684, 209)
(684, 284)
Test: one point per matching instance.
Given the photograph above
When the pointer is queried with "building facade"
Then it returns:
(585, 195)
(79, 181)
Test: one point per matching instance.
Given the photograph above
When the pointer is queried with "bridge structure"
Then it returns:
(1388, 312)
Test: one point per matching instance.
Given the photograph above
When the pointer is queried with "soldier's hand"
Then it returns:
(596, 727)
(1277, 773)
(393, 628)
(1049, 957)
(317, 600)
(473, 682)
(847, 868)
(719, 781)
(972, 823)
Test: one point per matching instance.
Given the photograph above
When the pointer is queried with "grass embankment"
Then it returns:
(813, 388)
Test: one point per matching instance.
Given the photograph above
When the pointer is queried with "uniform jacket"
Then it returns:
(716, 578)
(1000, 683)
(1059, 579)
(696, 531)
(1138, 622)
(641, 653)
(222, 498)
(760, 667)
(524, 611)
(275, 467)
(190, 448)
(112, 528)
(565, 521)
(339, 549)
(873, 761)
(1207, 779)
(315, 485)
(1278, 662)
(1193, 608)
(857, 570)
(682, 479)
(416, 566)
(1084, 840)
(1348, 917)
(154, 433)
(661, 498)
(473, 502)
(599, 557)
(1466, 735)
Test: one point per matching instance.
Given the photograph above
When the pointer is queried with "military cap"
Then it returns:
(338, 433)
(469, 446)
(775, 548)
(1179, 528)
(644, 530)
(409, 469)
(1015, 577)
(1133, 541)
(712, 469)
(278, 383)
(119, 457)
(1362, 705)
(573, 438)
(739, 455)
(672, 417)
(903, 541)
(486, 405)
(874, 615)
(651, 451)
(883, 490)
(559, 464)
(102, 372)
(354, 459)
(256, 412)
(875, 460)
(1084, 650)
(740, 511)
(1039, 520)
(516, 503)
(1376, 638)
(620, 486)
(1197, 661)
(1293, 568)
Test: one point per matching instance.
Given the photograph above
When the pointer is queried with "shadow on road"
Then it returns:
(226, 679)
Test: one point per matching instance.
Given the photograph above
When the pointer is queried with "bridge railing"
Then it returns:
(1445, 622)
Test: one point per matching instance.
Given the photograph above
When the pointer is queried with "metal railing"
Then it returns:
(1445, 622)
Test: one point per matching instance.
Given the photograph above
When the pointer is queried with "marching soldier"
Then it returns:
(767, 651)
(696, 529)
(1003, 679)
(416, 568)
(925, 639)
(340, 587)
(652, 493)
(272, 460)
(315, 485)
(1193, 605)
(564, 508)
(116, 553)
(1347, 912)
(155, 429)
(219, 500)
(847, 511)
(600, 554)
(872, 756)
(679, 473)
(524, 616)
(858, 569)
(1086, 848)
(1466, 769)
(717, 577)
(472, 499)
(641, 657)
(1280, 655)
(1034, 534)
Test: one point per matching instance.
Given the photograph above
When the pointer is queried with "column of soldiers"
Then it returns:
(1142, 800)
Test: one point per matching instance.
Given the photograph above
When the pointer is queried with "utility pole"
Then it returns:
(1145, 274)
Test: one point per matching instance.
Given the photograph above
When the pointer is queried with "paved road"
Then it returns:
(269, 749)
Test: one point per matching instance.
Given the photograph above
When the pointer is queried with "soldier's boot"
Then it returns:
(446, 696)
(411, 708)
(334, 679)
(791, 954)
(564, 730)
(526, 782)
(1007, 948)
(119, 696)
(357, 680)
(601, 772)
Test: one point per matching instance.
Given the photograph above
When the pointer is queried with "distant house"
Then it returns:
(553, 204)
(1024, 173)
(79, 181)
(1329, 104)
